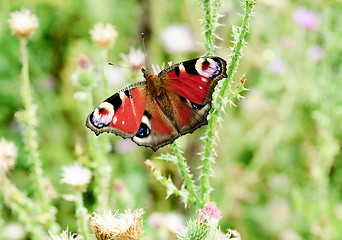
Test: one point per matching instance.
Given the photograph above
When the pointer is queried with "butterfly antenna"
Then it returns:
(143, 43)
(116, 65)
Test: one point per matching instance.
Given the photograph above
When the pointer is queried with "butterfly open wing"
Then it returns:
(156, 112)
(121, 113)
(194, 82)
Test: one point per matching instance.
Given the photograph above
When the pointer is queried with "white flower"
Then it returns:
(76, 176)
(103, 35)
(156, 69)
(8, 155)
(118, 226)
(14, 231)
(178, 39)
(23, 23)
(65, 235)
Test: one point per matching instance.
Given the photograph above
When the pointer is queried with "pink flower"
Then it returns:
(306, 18)
(135, 59)
(84, 62)
(208, 212)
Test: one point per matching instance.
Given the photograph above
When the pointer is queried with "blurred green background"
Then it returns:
(278, 172)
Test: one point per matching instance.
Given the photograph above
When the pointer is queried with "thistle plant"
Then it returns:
(77, 178)
(104, 37)
(24, 24)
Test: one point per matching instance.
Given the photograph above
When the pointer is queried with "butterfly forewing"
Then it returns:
(121, 113)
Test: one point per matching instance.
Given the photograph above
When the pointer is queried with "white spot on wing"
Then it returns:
(115, 119)
(123, 122)
(200, 87)
(204, 79)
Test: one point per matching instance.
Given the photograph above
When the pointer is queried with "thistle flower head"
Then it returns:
(103, 35)
(135, 59)
(65, 235)
(156, 69)
(84, 62)
(83, 77)
(76, 176)
(115, 226)
(23, 23)
(8, 155)
(209, 212)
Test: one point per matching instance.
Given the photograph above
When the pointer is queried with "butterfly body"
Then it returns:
(155, 112)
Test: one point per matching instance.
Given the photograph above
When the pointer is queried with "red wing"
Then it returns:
(128, 116)
(195, 79)
(121, 113)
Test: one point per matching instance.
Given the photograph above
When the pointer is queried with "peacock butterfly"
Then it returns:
(153, 113)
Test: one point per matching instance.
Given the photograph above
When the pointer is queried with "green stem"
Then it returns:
(82, 216)
(23, 207)
(185, 173)
(30, 140)
(219, 102)
(101, 166)
(209, 27)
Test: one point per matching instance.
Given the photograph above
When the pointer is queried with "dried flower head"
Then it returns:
(8, 155)
(135, 59)
(23, 23)
(208, 212)
(76, 176)
(65, 235)
(115, 226)
(103, 35)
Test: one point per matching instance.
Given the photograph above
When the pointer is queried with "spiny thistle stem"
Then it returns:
(82, 216)
(101, 166)
(30, 139)
(210, 22)
(218, 101)
(185, 172)
(23, 207)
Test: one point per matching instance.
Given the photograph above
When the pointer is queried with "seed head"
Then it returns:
(115, 226)
(65, 235)
(23, 23)
(103, 35)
